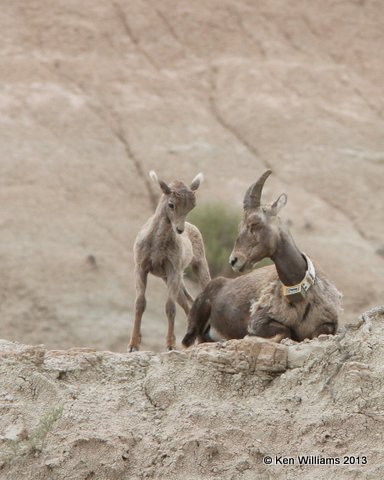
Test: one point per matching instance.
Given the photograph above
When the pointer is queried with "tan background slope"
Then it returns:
(93, 95)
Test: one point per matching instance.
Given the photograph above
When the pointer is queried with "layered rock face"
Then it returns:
(213, 412)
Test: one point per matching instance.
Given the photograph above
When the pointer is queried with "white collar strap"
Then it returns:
(295, 293)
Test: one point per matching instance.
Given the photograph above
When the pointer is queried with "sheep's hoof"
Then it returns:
(169, 349)
(132, 348)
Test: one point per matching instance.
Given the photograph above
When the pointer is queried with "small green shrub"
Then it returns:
(37, 437)
(218, 225)
(35, 441)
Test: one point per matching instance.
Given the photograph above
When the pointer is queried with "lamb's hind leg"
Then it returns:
(183, 302)
(140, 303)
(199, 263)
(201, 270)
(184, 299)
(186, 293)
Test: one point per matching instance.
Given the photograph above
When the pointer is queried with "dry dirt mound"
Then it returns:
(214, 412)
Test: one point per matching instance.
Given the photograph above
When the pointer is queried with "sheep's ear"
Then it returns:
(196, 181)
(279, 204)
(164, 187)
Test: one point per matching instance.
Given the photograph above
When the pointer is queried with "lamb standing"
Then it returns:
(290, 299)
(165, 246)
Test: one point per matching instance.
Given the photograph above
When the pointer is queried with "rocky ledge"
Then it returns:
(211, 412)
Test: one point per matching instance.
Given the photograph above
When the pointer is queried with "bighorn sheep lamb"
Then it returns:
(289, 299)
(165, 246)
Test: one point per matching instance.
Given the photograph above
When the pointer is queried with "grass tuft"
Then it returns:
(35, 441)
(218, 225)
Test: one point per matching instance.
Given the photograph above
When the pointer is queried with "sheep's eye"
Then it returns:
(171, 205)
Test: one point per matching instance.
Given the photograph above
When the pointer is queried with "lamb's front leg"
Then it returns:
(140, 303)
(174, 285)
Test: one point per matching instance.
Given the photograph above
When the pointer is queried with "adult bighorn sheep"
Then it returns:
(165, 246)
(289, 299)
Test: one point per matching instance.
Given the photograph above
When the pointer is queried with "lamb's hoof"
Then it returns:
(131, 349)
(169, 349)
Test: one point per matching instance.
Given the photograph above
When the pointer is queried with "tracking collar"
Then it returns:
(295, 293)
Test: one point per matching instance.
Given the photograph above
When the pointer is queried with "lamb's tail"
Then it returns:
(198, 320)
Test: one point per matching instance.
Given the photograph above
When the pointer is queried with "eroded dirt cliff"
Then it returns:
(212, 412)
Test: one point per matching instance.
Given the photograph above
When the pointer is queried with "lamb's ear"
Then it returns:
(196, 181)
(279, 204)
(164, 187)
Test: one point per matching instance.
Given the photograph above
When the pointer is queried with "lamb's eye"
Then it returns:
(253, 228)
(171, 205)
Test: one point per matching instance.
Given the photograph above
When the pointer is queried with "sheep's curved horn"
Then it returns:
(253, 194)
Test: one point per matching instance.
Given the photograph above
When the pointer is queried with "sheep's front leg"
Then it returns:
(269, 328)
(140, 303)
(324, 329)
